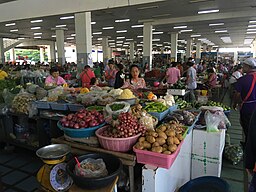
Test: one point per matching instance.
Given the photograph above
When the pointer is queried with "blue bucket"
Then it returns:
(206, 184)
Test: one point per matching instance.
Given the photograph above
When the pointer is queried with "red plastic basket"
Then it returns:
(116, 144)
(156, 159)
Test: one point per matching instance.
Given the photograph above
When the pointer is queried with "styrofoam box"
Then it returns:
(202, 99)
(176, 91)
(207, 149)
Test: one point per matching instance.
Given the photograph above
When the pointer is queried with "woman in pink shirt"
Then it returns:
(172, 74)
(54, 79)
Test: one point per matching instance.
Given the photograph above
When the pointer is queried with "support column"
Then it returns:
(204, 47)
(254, 49)
(83, 29)
(132, 51)
(235, 57)
(2, 57)
(110, 50)
(51, 52)
(60, 46)
(198, 51)
(12, 55)
(105, 50)
(147, 45)
(209, 48)
(42, 54)
(174, 46)
(189, 48)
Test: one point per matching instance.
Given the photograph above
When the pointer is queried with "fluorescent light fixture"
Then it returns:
(216, 24)
(112, 43)
(251, 26)
(137, 26)
(120, 37)
(226, 39)
(14, 30)
(61, 26)
(38, 33)
(208, 11)
(251, 32)
(70, 38)
(53, 36)
(221, 31)
(67, 17)
(106, 28)
(98, 44)
(121, 31)
(180, 27)
(140, 36)
(202, 39)
(195, 35)
(111, 40)
(21, 38)
(73, 35)
(97, 33)
(129, 39)
(253, 29)
(127, 43)
(215, 46)
(139, 45)
(148, 7)
(93, 22)
(252, 21)
(99, 39)
(248, 41)
(34, 28)
(156, 40)
(37, 37)
(141, 42)
(10, 24)
(122, 20)
(167, 43)
(162, 15)
(37, 21)
(181, 40)
(186, 30)
(119, 42)
(198, 1)
(157, 32)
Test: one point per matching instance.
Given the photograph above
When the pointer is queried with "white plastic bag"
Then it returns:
(212, 121)
(125, 109)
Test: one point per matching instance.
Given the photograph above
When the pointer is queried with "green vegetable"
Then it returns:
(155, 107)
(116, 107)
(97, 108)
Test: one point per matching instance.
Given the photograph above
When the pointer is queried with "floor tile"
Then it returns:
(232, 174)
(13, 177)
(30, 184)
(32, 167)
(5, 157)
(236, 186)
(18, 162)
(10, 190)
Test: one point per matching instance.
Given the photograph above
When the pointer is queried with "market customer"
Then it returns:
(172, 74)
(120, 76)
(233, 79)
(94, 84)
(86, 76)
(54, 79)
(3, 74)
(246, 94)
(135, 81)
(110, 73)
(191, 81)
(212, 79)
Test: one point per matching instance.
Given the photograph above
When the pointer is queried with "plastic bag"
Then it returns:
(53, 94)
(147, 121)
(32, 109)
(215, 120)
(125, 109)
(21, 102)
(31, 88)
(233, 153)
(8, 97)
(91, 168)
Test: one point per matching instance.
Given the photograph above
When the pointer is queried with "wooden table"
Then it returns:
(80, 148)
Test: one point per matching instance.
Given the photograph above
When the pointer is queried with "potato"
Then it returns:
(139, 145)
(142, 139)
(164, 149)
(162, 134)
(170, 133)
(163, 128)
(176, 141)
(150, 139)
(180, 137)
(146, 144)
(167, 152)
(165, 146)
(152, 133)
(157, 149)
(160, 140)
(170, 140)
(172, 148)
(155, 144)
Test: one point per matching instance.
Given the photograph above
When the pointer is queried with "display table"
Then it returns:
(79, 148)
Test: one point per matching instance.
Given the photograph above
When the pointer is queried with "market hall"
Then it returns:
(127, 95)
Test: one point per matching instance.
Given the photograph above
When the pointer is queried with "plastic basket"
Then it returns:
(160, 116)
(42, 105)
(116, 144)
(156, 159)
(80, 133)
(173, 108)
(75, 107)
(59, 106)
(227, 112)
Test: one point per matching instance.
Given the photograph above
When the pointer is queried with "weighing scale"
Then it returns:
(52, 175)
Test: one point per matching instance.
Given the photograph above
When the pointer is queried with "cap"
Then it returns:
(251, 62)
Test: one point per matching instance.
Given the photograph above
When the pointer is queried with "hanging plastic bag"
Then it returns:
(233, 153)
(212, 121)
(8, 97)
(53, 94)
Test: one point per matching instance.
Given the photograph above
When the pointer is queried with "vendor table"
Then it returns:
(79, 148)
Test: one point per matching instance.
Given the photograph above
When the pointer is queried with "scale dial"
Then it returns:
(59, 178)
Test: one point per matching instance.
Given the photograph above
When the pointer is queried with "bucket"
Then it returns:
(204, 92)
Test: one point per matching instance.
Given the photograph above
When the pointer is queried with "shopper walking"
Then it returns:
(86, 76)
(233, 79)
(246, 94)
(191, 81)
(172, 74)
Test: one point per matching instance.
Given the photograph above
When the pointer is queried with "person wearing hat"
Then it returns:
(245, 95)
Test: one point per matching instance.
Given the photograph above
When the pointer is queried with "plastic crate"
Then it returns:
(75, 107)
(160, 116)
(156, 159)
(173, 108)
(42, 105)
(59, 106)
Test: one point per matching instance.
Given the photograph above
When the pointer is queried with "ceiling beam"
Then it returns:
(198, 18)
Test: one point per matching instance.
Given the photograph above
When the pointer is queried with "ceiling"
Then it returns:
(236, 17)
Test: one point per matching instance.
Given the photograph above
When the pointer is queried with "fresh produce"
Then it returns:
(21, 102)
(151, 96)
(116, 106)
(127, 94)
(165, 139)
(155, 107)
(84, 90)
(182, 104)
(105, 99)
(233, 153)
(169, 99)
(218, 104)
(116, 92)
(82, 119)
(182, 116)
(179, 85)
(95, 107)
(125, 126)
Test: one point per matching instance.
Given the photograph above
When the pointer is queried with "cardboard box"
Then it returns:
(176, 91)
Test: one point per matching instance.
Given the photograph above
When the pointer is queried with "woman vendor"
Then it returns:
(54, 79)
(135, 81)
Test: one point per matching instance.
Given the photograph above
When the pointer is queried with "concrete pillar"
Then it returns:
(83, 29)
(235, 57)
(254, 49)
(51, 52)
(204, 47)
(198, 51)
(42, 54)
(110, 50)
(147, 45)
(209, 48)
(189, 48)
(132, 50)
(105, 50)
(12, 54)
(2, 57)
(174, 46)
(60, 46)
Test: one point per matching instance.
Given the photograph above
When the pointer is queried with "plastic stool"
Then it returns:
(206, 184)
